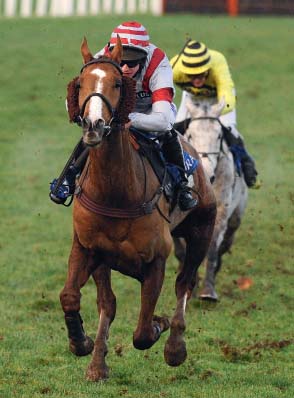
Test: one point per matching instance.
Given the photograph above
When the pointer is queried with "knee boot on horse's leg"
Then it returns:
(173, 153)
(247, 163)
(64, 186)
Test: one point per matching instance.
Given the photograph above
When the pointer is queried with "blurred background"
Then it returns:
(26, 8)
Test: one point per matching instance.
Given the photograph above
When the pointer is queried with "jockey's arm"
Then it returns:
(224, 82)
(183, 112)
(160, 118)
(162, 112)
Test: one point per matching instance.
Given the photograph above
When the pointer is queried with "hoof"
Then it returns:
(94, 374)
(208, 294)
(175, 352)
(81, 348)
(146, 341)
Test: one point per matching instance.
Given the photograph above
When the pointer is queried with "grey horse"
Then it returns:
(206, 135)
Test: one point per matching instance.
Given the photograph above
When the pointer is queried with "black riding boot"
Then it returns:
(173, 153)
(236, 144)
(63, 187)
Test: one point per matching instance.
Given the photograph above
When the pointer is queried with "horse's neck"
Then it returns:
(115, 172)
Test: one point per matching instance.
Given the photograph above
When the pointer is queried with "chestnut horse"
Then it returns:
(120, 219)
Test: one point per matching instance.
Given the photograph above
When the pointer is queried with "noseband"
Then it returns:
(206, 154)
(112, 111)
(221, 137)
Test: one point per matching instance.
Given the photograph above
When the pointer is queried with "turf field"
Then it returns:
(243, 346)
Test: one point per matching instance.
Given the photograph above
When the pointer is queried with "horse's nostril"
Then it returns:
(212, 179)
(99, 122)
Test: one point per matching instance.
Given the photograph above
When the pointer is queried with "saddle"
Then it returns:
(149, 145)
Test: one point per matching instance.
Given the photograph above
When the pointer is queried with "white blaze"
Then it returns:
(95, 106)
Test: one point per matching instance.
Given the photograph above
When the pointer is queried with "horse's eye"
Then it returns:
(118, 84)
(78, 85)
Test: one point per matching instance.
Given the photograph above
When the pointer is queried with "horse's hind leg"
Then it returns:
(149, 326)
(78, 274)
(106, 301)
(198, 239)
(180, 253)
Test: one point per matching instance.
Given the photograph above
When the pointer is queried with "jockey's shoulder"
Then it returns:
(217, 57)
(156, 54)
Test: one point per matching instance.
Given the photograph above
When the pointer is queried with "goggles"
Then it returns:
(199, 75)
(131, 63)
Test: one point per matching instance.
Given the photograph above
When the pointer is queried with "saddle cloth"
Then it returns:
(168, 174)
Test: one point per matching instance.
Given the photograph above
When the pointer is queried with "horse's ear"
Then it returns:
(116, 53)
(218, 108)
(86, 54)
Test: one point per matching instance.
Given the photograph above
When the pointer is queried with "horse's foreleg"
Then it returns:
(175, 351)
(149, 326)
(198, 230)
(78, 273)
(213, 259)
(106, 301)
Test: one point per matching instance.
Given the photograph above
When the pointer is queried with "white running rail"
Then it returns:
(63, 8)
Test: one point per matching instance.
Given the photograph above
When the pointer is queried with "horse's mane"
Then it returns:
(128, 99)
(125, 107)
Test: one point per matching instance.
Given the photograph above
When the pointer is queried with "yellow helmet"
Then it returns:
(195, 58)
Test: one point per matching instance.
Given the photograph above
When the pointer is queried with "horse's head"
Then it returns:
(99, 85)
(205, 132)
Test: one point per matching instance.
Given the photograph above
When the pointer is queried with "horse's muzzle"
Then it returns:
(92, 138)
(93, 133)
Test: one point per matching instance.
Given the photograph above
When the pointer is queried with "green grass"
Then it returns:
(232, 346)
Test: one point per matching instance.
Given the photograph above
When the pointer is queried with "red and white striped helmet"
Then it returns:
(132, 34)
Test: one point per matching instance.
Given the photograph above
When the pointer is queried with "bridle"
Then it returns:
(221, 139)
(146, 207)
(80, 120)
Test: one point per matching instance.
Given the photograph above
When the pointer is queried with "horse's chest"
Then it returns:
(118, 242)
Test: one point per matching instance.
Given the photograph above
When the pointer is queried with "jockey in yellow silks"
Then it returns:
(204, 73)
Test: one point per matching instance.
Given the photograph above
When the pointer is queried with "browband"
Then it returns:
(102, 61)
